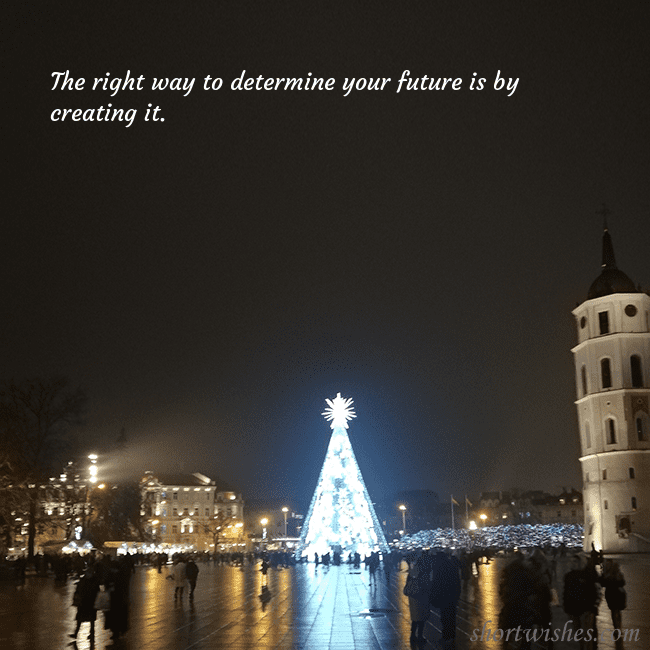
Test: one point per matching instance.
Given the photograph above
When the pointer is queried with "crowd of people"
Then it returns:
(104, 585)
(501, 537)
(434, 581)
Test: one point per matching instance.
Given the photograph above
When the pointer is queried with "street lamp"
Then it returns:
(93, 467)
(483, 517)
(403, 509)
(264, 522)
(92, 470)
(285, 510)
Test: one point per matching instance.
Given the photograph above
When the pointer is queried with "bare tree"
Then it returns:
(216, 527)
(36, 417)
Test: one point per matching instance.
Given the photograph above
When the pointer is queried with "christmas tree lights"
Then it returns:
(341, 517)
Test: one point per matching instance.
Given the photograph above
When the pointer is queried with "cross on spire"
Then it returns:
(604, 212)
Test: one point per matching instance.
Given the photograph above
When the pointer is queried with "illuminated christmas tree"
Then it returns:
(341, 516)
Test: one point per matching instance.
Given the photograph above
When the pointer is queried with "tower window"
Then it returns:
(604, 475)
(606, 373)
(633, 503)
(605, 504)
(587, 435)
(637, 374)
(603, 321)
(640, 432)
(611, 431)
(583, 376)
(631, 472)
(587, 477)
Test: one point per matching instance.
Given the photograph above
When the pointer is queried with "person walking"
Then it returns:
(84, 601)
(118, 582)
(445, 593)
(192, 573)
(180, 575)
(615, 597)
(581, 598)
(417, 588)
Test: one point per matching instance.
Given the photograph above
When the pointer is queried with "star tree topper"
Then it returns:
(339, 411)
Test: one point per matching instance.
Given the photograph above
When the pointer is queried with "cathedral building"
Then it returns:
(612, 363)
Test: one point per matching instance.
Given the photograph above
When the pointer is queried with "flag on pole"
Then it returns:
(468, 503)
(454, 501)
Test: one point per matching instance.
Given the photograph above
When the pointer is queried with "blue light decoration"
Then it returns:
(341, 517)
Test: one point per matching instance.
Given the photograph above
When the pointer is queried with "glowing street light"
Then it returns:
(403, 509)
(264, 522)
(483, 517)
(285, 510)
(93, 467)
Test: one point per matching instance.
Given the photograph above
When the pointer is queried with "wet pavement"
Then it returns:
(315, 609)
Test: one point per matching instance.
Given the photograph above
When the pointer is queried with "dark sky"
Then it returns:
(211, 279)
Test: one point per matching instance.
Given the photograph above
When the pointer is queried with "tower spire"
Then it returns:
(609, 261)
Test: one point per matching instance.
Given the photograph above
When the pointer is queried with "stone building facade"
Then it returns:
(192, 512)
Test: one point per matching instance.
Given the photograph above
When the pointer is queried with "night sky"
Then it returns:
(209, 280)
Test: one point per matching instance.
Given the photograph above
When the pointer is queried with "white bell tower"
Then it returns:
(612, 361)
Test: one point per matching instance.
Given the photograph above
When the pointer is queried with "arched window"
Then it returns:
(606, 373)
(637, 373)
(587, 435)
(603, 321)
(610, 427)
(583, 376)
(640, 430)
(631, 472)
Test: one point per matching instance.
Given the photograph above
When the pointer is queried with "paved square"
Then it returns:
(333, 608)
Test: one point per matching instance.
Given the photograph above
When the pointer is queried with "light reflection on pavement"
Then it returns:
(324, 608)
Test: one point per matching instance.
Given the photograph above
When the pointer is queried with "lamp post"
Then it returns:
(483, 517)
(403, 509)
(285, 510)
(92, 471)
(264, 521)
